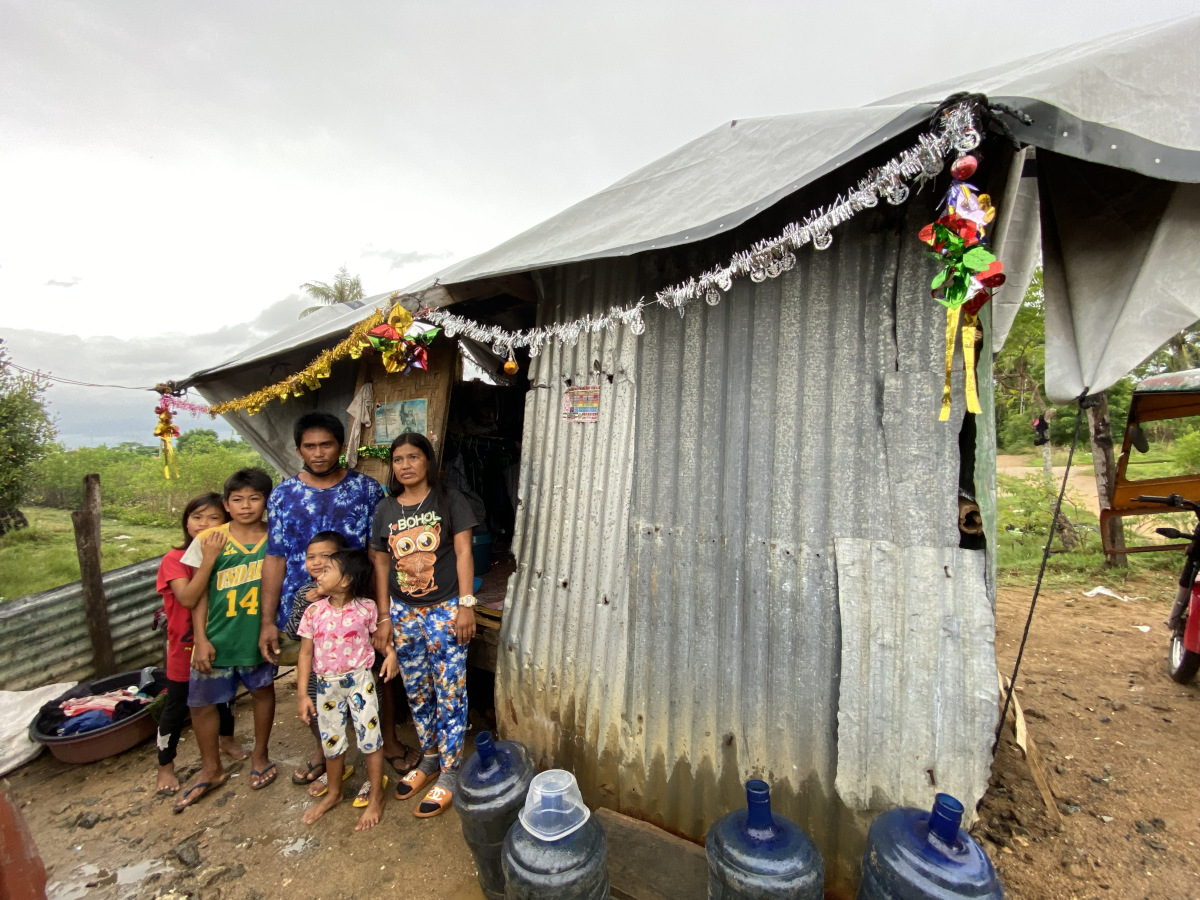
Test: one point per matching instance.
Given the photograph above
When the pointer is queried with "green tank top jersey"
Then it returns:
(234, 601)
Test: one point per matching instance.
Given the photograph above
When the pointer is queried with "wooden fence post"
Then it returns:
(87, 545)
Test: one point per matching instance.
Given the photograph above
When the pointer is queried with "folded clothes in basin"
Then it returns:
(86, 721)
(107, 702)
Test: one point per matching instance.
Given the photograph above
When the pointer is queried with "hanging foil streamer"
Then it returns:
(958, 132)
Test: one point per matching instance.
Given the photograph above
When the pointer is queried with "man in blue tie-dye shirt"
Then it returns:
(324, 496)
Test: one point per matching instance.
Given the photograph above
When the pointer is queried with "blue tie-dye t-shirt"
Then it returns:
(295, 512)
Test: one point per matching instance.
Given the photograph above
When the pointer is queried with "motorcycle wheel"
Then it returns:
(1182, 664)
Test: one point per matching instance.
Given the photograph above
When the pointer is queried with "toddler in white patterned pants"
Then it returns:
(351, 695)
(335, 645)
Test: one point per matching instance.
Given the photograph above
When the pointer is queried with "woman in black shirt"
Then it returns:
(425, 570)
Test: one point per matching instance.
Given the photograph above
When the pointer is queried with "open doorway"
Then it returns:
(481, 458)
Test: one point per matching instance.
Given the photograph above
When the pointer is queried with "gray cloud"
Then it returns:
(401, 258)
(65, 284)
(90, 416)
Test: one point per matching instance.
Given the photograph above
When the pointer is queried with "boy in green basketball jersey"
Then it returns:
(226, 624)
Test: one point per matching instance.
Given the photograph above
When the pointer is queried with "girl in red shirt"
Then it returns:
(180, 592)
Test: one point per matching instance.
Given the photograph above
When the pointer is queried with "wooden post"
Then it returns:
(87, 545)
(1104, 463)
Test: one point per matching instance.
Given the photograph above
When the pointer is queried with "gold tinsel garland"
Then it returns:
(308, 378)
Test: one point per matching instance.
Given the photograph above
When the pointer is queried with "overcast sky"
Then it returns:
(171, 172)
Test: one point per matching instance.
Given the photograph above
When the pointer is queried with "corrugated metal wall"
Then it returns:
(670, 636)
(564, 643)
(44, 637)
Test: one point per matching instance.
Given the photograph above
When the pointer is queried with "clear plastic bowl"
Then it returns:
(554, 806)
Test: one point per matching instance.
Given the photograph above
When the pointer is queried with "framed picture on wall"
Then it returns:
(400, 417)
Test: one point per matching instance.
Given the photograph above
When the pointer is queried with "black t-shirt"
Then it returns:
(420, 539)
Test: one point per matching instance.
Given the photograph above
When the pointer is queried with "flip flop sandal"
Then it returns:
(323, 781)
(434, 803)
(363, 798)
(263, 779)
(308, 777)
(204, 787)
(402, 769)
(166, 792)
(413, 782)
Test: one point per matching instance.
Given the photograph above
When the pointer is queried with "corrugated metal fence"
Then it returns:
(44, 637)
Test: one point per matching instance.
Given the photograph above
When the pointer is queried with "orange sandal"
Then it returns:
(413, 782)
(434, 803)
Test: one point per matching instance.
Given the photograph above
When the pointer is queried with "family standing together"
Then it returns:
(361, 584)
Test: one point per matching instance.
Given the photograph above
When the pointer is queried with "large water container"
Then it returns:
(916, 855)
(556, 851)
(491, 791)
(755, 854)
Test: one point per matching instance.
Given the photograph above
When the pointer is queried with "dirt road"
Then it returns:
(1081, 486)
(1118, 737)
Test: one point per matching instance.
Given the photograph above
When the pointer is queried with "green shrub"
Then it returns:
(1185, 452)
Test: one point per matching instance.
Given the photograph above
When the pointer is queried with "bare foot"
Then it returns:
(231, 748)
(168, 782)
(371, 815)
(328, 802)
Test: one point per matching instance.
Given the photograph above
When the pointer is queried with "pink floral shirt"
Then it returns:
(341, 637)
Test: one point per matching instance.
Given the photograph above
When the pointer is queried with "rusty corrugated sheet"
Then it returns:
(44, 636)
(668, 638)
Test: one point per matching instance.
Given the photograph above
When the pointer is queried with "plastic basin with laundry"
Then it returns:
(101, 743)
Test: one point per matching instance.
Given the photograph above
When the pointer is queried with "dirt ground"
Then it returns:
(1115, 732)
(251, 844)
(1116, 735)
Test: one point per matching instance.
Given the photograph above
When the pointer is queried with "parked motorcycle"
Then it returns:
(1183, 658)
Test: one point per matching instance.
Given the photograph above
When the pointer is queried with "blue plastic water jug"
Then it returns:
(557, 850)
(491, 791)
(755, 854)
(917, 855)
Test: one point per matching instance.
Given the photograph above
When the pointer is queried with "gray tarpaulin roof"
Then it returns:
(1127, 100)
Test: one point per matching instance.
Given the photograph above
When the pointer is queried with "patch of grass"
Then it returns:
(1024, 506)
(1018, 558)
(43, 555)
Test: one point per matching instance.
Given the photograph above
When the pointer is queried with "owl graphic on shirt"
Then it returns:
(414, 551)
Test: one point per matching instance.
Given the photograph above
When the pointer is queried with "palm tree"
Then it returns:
(343, 290)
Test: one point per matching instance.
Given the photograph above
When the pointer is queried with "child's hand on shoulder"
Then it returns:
(305, 709)
(211, 544)
(203, 655)
(391, 666)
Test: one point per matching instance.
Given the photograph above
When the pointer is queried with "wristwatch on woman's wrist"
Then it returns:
(467, 600)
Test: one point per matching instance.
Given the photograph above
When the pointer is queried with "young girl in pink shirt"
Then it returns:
(335, 645)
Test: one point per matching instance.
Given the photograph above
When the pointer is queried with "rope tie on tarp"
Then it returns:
(1083, 402)
(989, 112)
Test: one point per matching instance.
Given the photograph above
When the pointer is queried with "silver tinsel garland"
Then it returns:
(958, 132)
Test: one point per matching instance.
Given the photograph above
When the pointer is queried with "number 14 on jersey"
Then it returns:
(249, 602)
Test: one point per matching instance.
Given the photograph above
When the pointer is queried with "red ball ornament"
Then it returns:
(963, 167)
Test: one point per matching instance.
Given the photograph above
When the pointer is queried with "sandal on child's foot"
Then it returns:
(363, 797)
(434, 803)
(405, 766)
(308, 776)
(323, 781)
